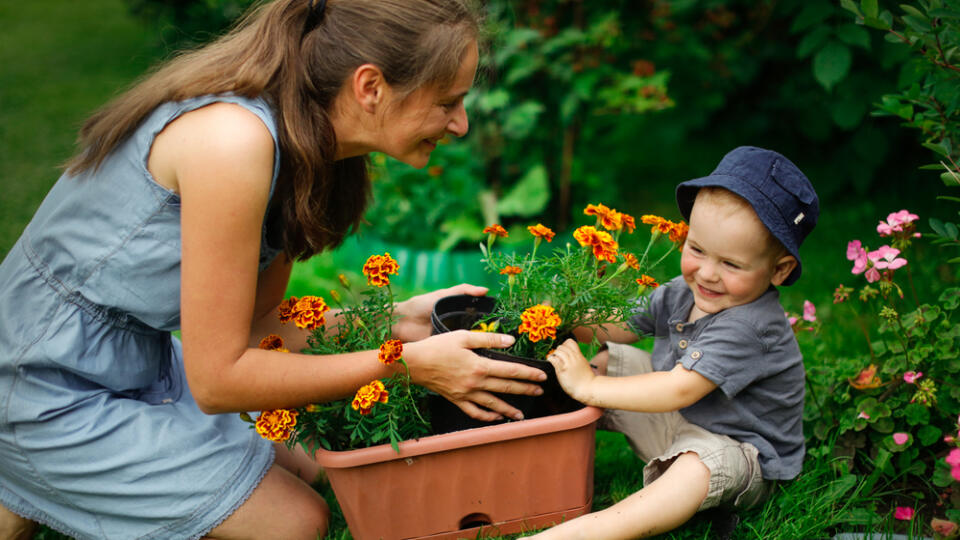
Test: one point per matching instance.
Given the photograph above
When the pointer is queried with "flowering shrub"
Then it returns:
(380, 411)
(892, 409)
(593, 282)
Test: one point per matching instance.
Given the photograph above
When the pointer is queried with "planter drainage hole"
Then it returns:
(475, 520)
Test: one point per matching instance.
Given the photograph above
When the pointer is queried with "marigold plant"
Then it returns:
(589, 281)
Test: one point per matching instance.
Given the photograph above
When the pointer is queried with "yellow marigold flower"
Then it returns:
(496, 230)
(390, 351)
(650, 219)
(272, 342)
(510, 270)
(276, 425)
(604, 246)
(541, 231)
(308, 312)
(368, 395)
(866, 379)
(678, 232)
(285, 309)
(539, 322)
(486, 327)
(647, 281)
(377, 269)
(631, 261)
(628, 222)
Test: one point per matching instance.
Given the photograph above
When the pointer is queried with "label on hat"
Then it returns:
(798, 219)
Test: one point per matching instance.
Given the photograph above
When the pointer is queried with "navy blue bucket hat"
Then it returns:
(779, 193)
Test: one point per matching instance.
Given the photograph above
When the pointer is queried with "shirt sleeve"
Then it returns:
(730, 353)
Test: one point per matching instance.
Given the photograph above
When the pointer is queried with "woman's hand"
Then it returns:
(445, 364)
(414, 314)
(573, 371)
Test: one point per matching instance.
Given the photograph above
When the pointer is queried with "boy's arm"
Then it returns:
(617, 333)
(659, 391)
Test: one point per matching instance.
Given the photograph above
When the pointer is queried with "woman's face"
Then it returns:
(412, 126)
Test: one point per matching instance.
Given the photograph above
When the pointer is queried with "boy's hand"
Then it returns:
(573, 370)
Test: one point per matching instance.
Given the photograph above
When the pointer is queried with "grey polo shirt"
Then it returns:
(751, 354)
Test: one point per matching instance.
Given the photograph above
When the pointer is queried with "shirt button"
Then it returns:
(696, 355)
(679, 327)
(682, 344)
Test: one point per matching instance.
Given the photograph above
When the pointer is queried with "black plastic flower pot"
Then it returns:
(462, 312)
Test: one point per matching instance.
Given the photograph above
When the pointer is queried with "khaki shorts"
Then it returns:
(658, 438)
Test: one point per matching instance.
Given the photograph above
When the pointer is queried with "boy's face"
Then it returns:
(727, 260)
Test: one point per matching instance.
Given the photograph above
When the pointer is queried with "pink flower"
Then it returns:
(943, 527)
(872, 275)
(900, 438)
(791, 319)
(886, 257)
(953, 458)
(912, 376)
(809, 311)
(904, 513)
(858, 255)
(863, 415)
(895, 222)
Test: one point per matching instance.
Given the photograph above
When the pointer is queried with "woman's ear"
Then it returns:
(782, 269)
(369, 87)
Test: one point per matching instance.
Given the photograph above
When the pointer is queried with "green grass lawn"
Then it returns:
(63, 59)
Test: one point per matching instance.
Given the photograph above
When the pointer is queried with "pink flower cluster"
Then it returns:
(809, 315)
(953, 459)
(872, 262)
(898, 222)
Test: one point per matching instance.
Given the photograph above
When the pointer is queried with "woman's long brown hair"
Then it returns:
(299, 71)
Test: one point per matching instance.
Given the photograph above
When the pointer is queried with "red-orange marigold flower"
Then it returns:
(647, 281)
(631, 261)
(628, 222)
(390, 351)
(272, 342)
(308, 312)
(604, 246)
(368, 395)
(276, 425)
(285, 309)
(539, 322)
(377, 269)
(586, 235)
(678, 232)
(608, 217)
(496, 230)
(541, 231)
(866, 379)
(510, 270)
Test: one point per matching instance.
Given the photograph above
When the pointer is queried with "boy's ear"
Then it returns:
(369, 87)
(782, 269)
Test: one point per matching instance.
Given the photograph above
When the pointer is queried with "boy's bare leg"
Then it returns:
(297, 461)
(14, 527)
(668, 502)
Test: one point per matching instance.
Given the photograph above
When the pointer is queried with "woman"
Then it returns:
(190, 197)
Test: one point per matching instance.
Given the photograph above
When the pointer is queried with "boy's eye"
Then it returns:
(732, 265)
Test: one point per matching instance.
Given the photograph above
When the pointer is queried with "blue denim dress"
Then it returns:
(99, 434)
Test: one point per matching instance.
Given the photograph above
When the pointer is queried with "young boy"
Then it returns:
(716, 410)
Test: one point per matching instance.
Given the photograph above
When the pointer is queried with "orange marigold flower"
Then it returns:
(539, 322)
(541, 231)
(678, 232)
(496, 230)
(510, 270)
(272, 342)
(276, 425)
(650, 219)
(377, 269)
(604, 246)
(608, 217)
(647, 281)
(285, 309)
(628, 222)
(308, 312)
(368, 395)
(631, 261)
(390, 351)
(586, 235)
(866, 379)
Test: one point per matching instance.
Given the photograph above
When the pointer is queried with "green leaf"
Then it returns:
(875, 22)
(522, 119)
(854, 35)
(869, 7)
(494, 99)
(916, 414)
(941, 474)
(529, 196)
(920, 25)
(813, 13)
(951, 230)
(914, 12)
(937, 226)
(812, 41)
(929, 435)
(950, 298)
(831, 64)
(950, 178)
(850, 6)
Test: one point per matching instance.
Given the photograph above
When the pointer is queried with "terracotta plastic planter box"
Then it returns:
(481, 482)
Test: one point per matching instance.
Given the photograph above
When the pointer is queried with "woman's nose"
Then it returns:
(459, 124)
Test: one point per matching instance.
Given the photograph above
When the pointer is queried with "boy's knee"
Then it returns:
(599, 362)
(313, 520)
